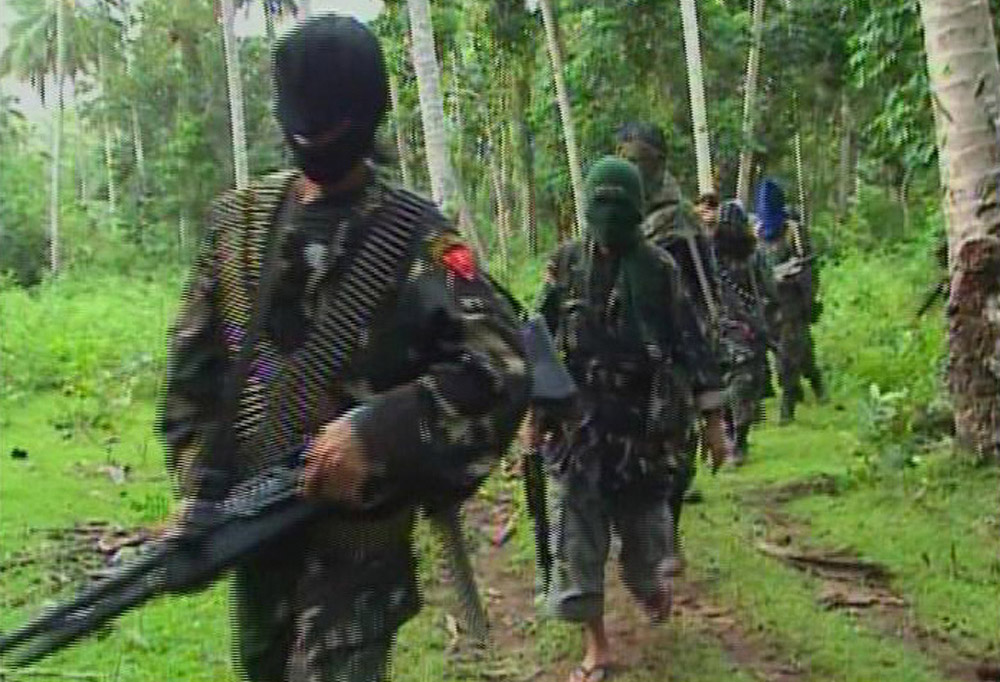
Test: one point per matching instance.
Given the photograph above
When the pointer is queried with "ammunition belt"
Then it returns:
(280, 403)
(296, 392)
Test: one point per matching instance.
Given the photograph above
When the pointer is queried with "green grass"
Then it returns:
(81, 359)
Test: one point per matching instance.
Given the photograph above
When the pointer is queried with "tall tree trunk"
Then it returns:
(79, 153)
(109, 167)
(402, 150)
(137, 147)
(696, 86)
(846, 156)
(268, 25)
(965, 79)
(57, 130)
(444, 188)
(305, 7)
(800, 171)
(565, 112)
(109, 158)
(522, 135)
(235, 89)
(503, 225)
(749, 103)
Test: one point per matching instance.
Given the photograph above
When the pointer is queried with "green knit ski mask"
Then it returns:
(614, 202)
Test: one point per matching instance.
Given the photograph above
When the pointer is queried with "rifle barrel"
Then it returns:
(48, 618)
(77, 624)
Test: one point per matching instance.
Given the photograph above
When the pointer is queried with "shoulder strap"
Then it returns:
(295, 395)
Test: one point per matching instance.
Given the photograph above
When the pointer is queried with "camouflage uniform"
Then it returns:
(626, 463)
(746, 302)
(669, 221)
(436, 387)
(671, 225)
(796, 311)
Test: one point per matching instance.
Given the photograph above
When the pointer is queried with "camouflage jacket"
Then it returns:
(747, 302)
(437, 384)
(658, 383)
(795, 294)
(671, 225)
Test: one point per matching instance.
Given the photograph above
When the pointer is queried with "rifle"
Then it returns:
(187, 559)
(552, 392)
(791, 267)
(940, 289)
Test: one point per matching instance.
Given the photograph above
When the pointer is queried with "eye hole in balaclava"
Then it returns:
(614, 202)
(332, 92)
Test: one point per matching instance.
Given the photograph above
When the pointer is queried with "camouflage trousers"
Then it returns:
(796, 360)
(598, 494)
(746, 386)
(325, 605)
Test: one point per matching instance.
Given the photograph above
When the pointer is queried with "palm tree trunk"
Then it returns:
(268, 25)
(57, 130)
(522, 135)
(749, 103)
(965, 77)
(109, 167)
(109, 159)
(696, 85)
(235, 90)
(846, 156)
(503, 230)
(397, 122)
(799, 169)
(137, 147)
(565, 113)
(444, 189)
(79, 151)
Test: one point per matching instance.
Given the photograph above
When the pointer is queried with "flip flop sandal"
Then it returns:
(599, 673)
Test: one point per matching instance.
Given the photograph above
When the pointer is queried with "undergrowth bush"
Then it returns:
(96, 335)
(874, 348)
(869, 333)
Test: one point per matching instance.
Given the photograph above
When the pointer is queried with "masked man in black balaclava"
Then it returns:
(384, 352)
(623, 320)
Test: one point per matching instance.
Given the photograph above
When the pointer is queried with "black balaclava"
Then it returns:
(329, 72)
(733, 237)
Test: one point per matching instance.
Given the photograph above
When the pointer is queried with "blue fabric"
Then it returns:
(771, 210)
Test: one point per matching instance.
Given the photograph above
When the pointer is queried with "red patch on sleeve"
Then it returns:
(460, 261)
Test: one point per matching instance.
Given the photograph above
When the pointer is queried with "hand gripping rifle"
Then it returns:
(224, 525)
(553, 393)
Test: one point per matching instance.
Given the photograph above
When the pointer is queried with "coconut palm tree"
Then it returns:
(565, 111)
(444, 188)
(46, 40)
(965, 79)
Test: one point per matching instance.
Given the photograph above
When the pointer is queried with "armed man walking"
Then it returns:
(784, 249)
(747, 300)
(673, 226)
(621, 317)
(668, 222)
(383, 350)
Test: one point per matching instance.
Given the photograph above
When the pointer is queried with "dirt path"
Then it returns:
(861, 588)
(514, 619)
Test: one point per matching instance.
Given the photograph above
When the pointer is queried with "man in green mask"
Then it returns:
(623, 321)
